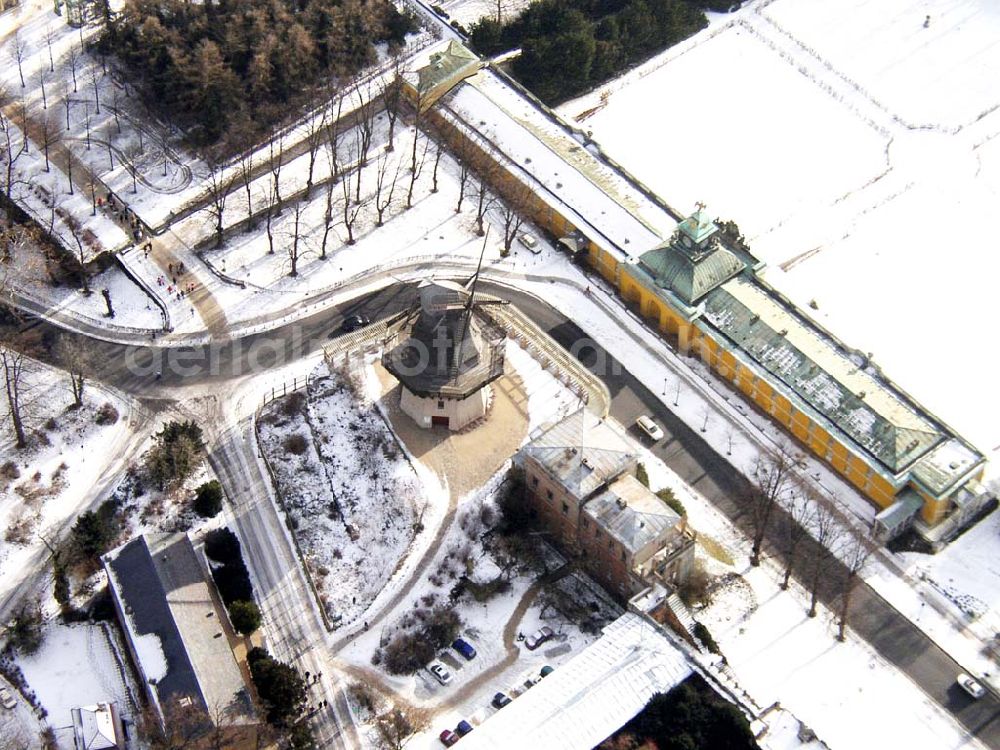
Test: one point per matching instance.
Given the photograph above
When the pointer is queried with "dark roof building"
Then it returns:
(175, 627)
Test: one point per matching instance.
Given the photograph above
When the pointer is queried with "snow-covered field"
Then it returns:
(841, 690)
(352, 496)
(75, 667)
(853, 146)
(48, 483)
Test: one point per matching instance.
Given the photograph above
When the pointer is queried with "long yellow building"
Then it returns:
(707, 298)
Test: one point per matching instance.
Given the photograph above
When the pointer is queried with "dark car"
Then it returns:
(353, 323)
(546, 671)
(464, 648)
(448, 738)
(500, 700)
(463, 728)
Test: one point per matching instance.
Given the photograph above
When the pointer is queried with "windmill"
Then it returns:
(447, 352)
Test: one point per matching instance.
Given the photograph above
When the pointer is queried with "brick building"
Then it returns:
(580, 479)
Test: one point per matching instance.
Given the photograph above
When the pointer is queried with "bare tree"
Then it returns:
(66, 102)
(335, 96)
(365, 117)
(115, 96)
(315, 134)
(48, 42)
(109, 136)
(437, 161)
(795, 530)
(392, 96)
(130, 158)
(14, 364)
(50, 136)
(294, 248)
(514, 206)
(483, 199)
(69, 169)
(770, 478)
(826, 530)
(856, 551)
(351, 211)
(385, 185)
(246, 163)
(10, 152)
(77, 359)
(270, 201)
(219, 186)
(396, 726)
(19, 51)
(41, 86)
(418, 167)
(331, 148)
(463, 180)
(97, 92)
(73, 61)
(275, 153)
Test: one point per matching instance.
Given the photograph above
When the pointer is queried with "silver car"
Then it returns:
(6, 699)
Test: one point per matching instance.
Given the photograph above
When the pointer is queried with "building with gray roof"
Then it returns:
(580, 479)
(176, 628)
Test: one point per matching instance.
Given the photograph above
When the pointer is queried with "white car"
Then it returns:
(6, 699)
(648, 426)
(970, 686)
(440, 672)
(530, 242)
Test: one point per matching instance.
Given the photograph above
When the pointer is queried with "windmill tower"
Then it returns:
(446, 355)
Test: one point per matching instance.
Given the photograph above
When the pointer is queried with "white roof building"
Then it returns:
(592, 695)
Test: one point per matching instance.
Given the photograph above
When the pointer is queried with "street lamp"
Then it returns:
(664, 386)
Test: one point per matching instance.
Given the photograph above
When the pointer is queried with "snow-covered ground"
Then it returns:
(841, 690)
(48, 483)
(852, 145)
(352, 496)
(77, 666)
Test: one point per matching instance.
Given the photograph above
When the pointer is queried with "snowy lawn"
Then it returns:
(352, 497)
(847, 138)
(77, 666)
(43, 486)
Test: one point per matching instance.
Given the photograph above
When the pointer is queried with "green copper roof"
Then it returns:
(698, 226)
(807, 366)
(445, 64)
(692, 262)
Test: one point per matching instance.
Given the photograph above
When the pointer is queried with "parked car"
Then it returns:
(463, 727)
(546, 671)
(464, 648)
(648, 426)
(539, 637)
(440, 672)
(6, 699)
(354, 322)
(448, 738)
(530, 242)
(970, 686)
(500, 700)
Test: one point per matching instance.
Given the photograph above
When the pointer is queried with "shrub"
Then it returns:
(208, 499)
(515, 510)
(406, 653)
(642, 475)
(175, 453)
(222, 546)
(51, 425)
(95, 531)
(295, 444)
(233, 582)
(245, 616)
(667, 495)
(694, 588)
(25, 633)
(106, 414)
(10, 471)
(279, 686)
(702, 634)
(294, 403)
